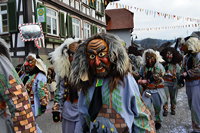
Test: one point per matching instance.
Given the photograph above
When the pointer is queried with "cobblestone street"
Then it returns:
(180, 123)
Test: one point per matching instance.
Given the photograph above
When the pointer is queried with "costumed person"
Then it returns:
(35, 81)
(51, 82)
(13, 98)
(135, 54)
(66, 97)
(152, 83)
(191, 73)
(109, 100)
(172, 73)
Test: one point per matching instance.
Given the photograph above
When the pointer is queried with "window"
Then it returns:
(3, 18)
(87, 31)
(98, 5)
(52, 22)
(72, 3)
(77, 5)
(88, 11)
(98, 29)
(76, 27)
(85, 1)
(66, 2)
(93, 13)
(83, 9)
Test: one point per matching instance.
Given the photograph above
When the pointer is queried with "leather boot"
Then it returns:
(173, 107)
(165, 108)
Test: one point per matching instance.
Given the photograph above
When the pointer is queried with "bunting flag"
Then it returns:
(167, 27)
(154, 13)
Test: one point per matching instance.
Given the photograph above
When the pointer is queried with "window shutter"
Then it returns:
(44, 24)
(95, 4)
(12, 16)
(92, 29)
(102, 7)
(92, 4)
(69, 26)
(62, 25)
(95, 29)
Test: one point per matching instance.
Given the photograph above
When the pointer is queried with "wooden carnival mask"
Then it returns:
(29, 64)
(150, 59)
(97, 54)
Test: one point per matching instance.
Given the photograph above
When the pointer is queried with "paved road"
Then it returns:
(180, 123)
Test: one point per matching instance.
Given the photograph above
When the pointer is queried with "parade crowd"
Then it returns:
(100, 86)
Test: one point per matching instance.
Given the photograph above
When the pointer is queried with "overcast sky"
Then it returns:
(184, 8)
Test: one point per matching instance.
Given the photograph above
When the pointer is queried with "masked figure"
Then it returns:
(191, 73)
(109, 99)
(51, 82)
(66, 96)
(152, 83)
(172, 60)
(14, 98)
(35, 81)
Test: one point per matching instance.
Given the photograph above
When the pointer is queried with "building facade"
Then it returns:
(120, 22)
(61, 19)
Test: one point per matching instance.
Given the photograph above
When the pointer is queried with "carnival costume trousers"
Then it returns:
(154, 102)
(193, 92)
(70, 126)
(171, 93)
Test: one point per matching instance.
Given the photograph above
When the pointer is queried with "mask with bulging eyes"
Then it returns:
(169, 56)
(69, 52)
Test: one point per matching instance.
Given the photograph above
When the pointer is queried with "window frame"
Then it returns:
(51, 19)
(1, 22)
(74, 27)
(85, 28)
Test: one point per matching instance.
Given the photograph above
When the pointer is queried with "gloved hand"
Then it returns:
(85, 128)
(56, 116)
(43, 108)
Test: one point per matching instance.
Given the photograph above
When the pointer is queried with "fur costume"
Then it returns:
(193, 44)
(191, 66)
(112, 92)
(117, 56)
(39, 63)
(153, 93)
(60, 58)
(172, 76)
(66, 97)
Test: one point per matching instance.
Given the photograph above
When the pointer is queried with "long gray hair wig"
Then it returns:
(117, 56)
(60, 58)
(4, 48)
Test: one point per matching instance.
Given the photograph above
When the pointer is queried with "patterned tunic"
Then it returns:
(14, 95)
(37, 90)
(122, 110)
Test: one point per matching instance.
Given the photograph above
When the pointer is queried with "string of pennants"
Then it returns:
(154, 13)
(167, 27)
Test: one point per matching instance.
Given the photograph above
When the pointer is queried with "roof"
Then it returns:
(119, 19)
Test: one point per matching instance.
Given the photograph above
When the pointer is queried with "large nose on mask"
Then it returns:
(97, 61)
(26, 63)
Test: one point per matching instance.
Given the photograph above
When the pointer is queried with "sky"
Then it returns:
(183, 8)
